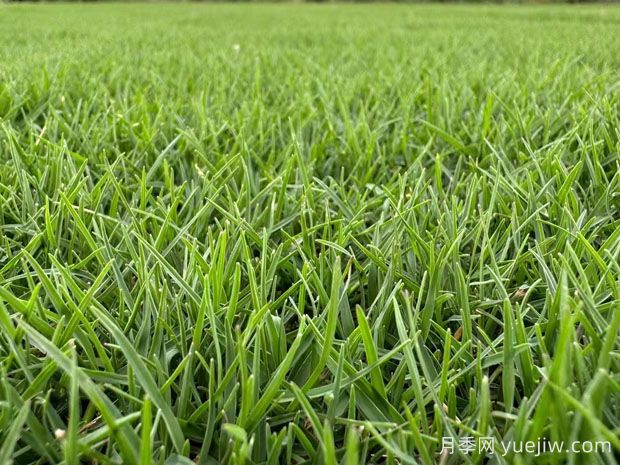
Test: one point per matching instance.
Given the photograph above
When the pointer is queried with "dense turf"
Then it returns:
(307, 234)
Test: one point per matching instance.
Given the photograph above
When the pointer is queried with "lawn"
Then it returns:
(309, 234)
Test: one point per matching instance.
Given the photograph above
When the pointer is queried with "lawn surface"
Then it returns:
(309, 234)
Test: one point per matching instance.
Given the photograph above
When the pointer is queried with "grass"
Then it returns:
(302, 234)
